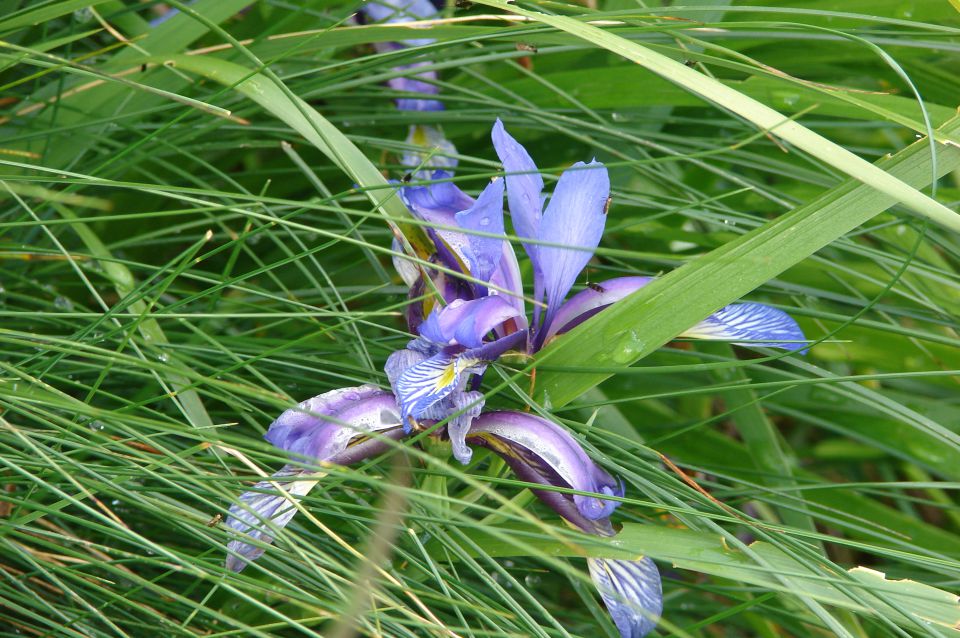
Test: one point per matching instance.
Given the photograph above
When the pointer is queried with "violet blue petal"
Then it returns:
(418, 104)
(261, 512)
(631, 591)
(537, 448)
(751, 324)
(424, 384)
(314, 429)
(466, 323)
(490, 352)
(422, 83)
(399, 11)
(460, 408)
(573, 223)
(401, 360)
(331, 427)
(467, 406)
(507, 278)
(485, 216)
(589, 301)
(524, 188)
(524, 185)
(438, 204)
(450, 288)
(441, 376)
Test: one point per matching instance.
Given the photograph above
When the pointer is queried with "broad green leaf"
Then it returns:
(909, 603)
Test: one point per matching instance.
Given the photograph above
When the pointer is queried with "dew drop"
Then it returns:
(629, 346)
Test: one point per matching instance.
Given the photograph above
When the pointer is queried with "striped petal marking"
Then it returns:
(632, 592)
(751, 324)
(426, 383)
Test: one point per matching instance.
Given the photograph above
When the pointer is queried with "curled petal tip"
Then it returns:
(323, 426)
(631, 591)
(466, 323)
(594, 508)
(540, 451)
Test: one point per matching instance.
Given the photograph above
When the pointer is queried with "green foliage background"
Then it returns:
(194, 235)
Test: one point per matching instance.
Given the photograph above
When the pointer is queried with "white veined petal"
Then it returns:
(751, 324)
(429, 381)
(631, 591)
(261, 513)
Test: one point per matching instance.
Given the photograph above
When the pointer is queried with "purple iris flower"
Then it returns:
(423, 83)
(483, 318)
(481, 314)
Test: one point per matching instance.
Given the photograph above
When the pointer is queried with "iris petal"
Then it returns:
(507, 278)
(332, 427)
(589, 301)
(542, 452)
(460, 409)
(438, 203)
(428, 147)
(524, 188)
(397, 11)
(422, 83)
(260, 513)
(466, 323)
(632, 592)
(426, 383)
(486, 216)
(751, 324)
(572, 224)
(524, 185)
(314, 428)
